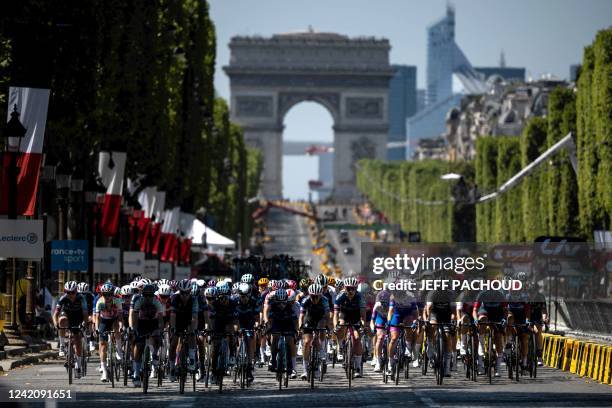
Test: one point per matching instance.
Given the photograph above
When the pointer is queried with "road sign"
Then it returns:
(69, 255)
(21, 239)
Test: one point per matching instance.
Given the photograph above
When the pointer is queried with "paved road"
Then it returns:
(552, 388)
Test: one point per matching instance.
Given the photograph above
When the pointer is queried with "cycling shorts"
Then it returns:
(104, 326)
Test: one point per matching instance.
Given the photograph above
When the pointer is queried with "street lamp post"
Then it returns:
(14, 132)
(62, 183)
(76, 205)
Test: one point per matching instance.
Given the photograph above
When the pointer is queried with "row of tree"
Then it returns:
(134, 76)
(550, 201)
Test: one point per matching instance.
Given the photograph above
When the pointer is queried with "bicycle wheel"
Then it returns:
(313, 363)
(385, 360)
(399, 352)
(490, 369)
(440, 357)
(474, 356)
(468, 357)
(424, 358)
(221, 364)
(84, 352)
(208, 365)
(125, 362)
(146, 369)
(287, 364)
(517, 357)
(510, 361)
(70, 359)
(182, 370)
(349, 359)
(110, 358)
(532, 356)
(280, 362)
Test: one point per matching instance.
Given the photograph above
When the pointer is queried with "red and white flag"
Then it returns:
(158, 212)
(111, 172)
(186, 227)
(32, 105)
(170, 229)
(146, 199)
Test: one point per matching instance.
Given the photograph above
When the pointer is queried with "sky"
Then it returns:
(544, 36)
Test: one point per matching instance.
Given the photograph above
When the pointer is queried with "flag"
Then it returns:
(186, 227)
(111, 172)
(159, 205)
(32, 105)
(169, 233)
(146, 199)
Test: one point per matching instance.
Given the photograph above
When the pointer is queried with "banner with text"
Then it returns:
(106, 260)
(69, 255)
(21, 239)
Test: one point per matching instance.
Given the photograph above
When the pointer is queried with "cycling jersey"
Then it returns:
(538, 307)
(283, 317)
(314, 312)
(148, 308)
(247, 312)
(491, 303)
(89, 298)
(350, 308)
(183, 309)
(466, 300)
(442, 305)
(73, 310)
(109, 309)
(222, 314)
(379, 315)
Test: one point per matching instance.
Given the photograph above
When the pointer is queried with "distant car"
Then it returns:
(348, 251)
(344, 237)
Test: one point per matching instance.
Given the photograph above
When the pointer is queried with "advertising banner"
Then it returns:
(151, 269)
(69, 255)
(106, 260)
(21, 239)
(134, 262)
(165, 270)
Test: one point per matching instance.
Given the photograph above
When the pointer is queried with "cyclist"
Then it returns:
(222, 315)
(83, 289)
(377, 325)
(280, 317)
(183, 317)
(519, 312)
(108, 311)
(249, 279)
(439, 309)
(539, 317)
(314, 314)
(350, 308)
(490, 307)
(463, 311)
(263, 344)
(147, 318)
(247, 310)
(402, 311)
(70, 311)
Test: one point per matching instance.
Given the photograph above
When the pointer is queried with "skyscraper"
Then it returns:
(402, 105)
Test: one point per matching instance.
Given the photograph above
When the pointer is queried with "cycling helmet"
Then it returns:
(134, 285)
(248, 278)
(164, 290)
(127, 290)
(117, 291)
(148, 289)
(292, 284)
(194, 289)
(211, 283)
(220, 283)
(304, 283)
(383, 297)
(350, 282)
(210, 292)
(83, 287)
(339, 285)
(106, 288)
(140, 284)
(362, 288)
(145, 281)
(282, 284)
(223, 290)
(274, 284)
(162, 282)
(173, 284)
(235, 287)
(263, 281)
(281, 295)
(331, 281)
(70, 286)
(244, 288)
(321, 280)
(315, 289)
(184, 285)
(201, 283)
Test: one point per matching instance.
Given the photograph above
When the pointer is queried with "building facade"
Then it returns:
(402, 105)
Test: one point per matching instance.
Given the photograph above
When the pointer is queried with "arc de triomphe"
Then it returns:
(348, 76)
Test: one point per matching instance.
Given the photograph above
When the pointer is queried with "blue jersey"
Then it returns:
(350, 306)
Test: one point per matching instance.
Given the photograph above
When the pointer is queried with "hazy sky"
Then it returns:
(544, 36)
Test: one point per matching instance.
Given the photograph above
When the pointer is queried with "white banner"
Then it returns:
(106, 260)
(165, 270)
(134, 262)
(182, 272)
(151, 269)
(21, 239)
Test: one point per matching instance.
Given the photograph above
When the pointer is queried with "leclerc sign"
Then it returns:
(21, 239)
(69, 255)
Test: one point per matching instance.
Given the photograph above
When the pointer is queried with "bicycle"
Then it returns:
(84, 355)
(70, 352)
(242, 359)
(163, 367)
(490, 352)
(513, 361)
(126, 362)
(181, 361)
(471, 352)
(384, 358)
(283, 359)
(401, 360)
(113, 367)
(440, 349)
(532, 353)
(349, 369)
(223, 355)
(315, 361)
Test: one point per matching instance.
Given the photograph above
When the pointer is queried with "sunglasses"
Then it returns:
(210, 298)
(72, 293)
(188, 292)
(351, 289)
(107, 294)
(149, 295)
(315, 297)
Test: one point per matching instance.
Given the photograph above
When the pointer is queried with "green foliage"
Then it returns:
(535, 210)
(508, 209)
(486, 181)
(413, 195)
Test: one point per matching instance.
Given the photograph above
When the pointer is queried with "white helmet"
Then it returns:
(127, 290)
(83, 287)
(145, 281)
(244, 288)
(70, 286)
(162, 282)
(315, 289)
(200, 283)
(210, 291)
(135, 285)
(184, 285)
(164, 290)
(235, 287)
(247, 278)
(351, 282)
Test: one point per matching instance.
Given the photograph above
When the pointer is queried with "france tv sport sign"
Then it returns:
(69, 255)
(21, 239)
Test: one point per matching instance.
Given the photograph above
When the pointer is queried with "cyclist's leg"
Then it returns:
(537, 329)
(307, 339)
(103, 333)
(116, 337)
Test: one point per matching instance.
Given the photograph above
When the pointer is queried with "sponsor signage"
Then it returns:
(134, 262)
(165, 270)
(512, 253)
(21, 239)
(69, 255)
(151, 269)
(107, 260)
